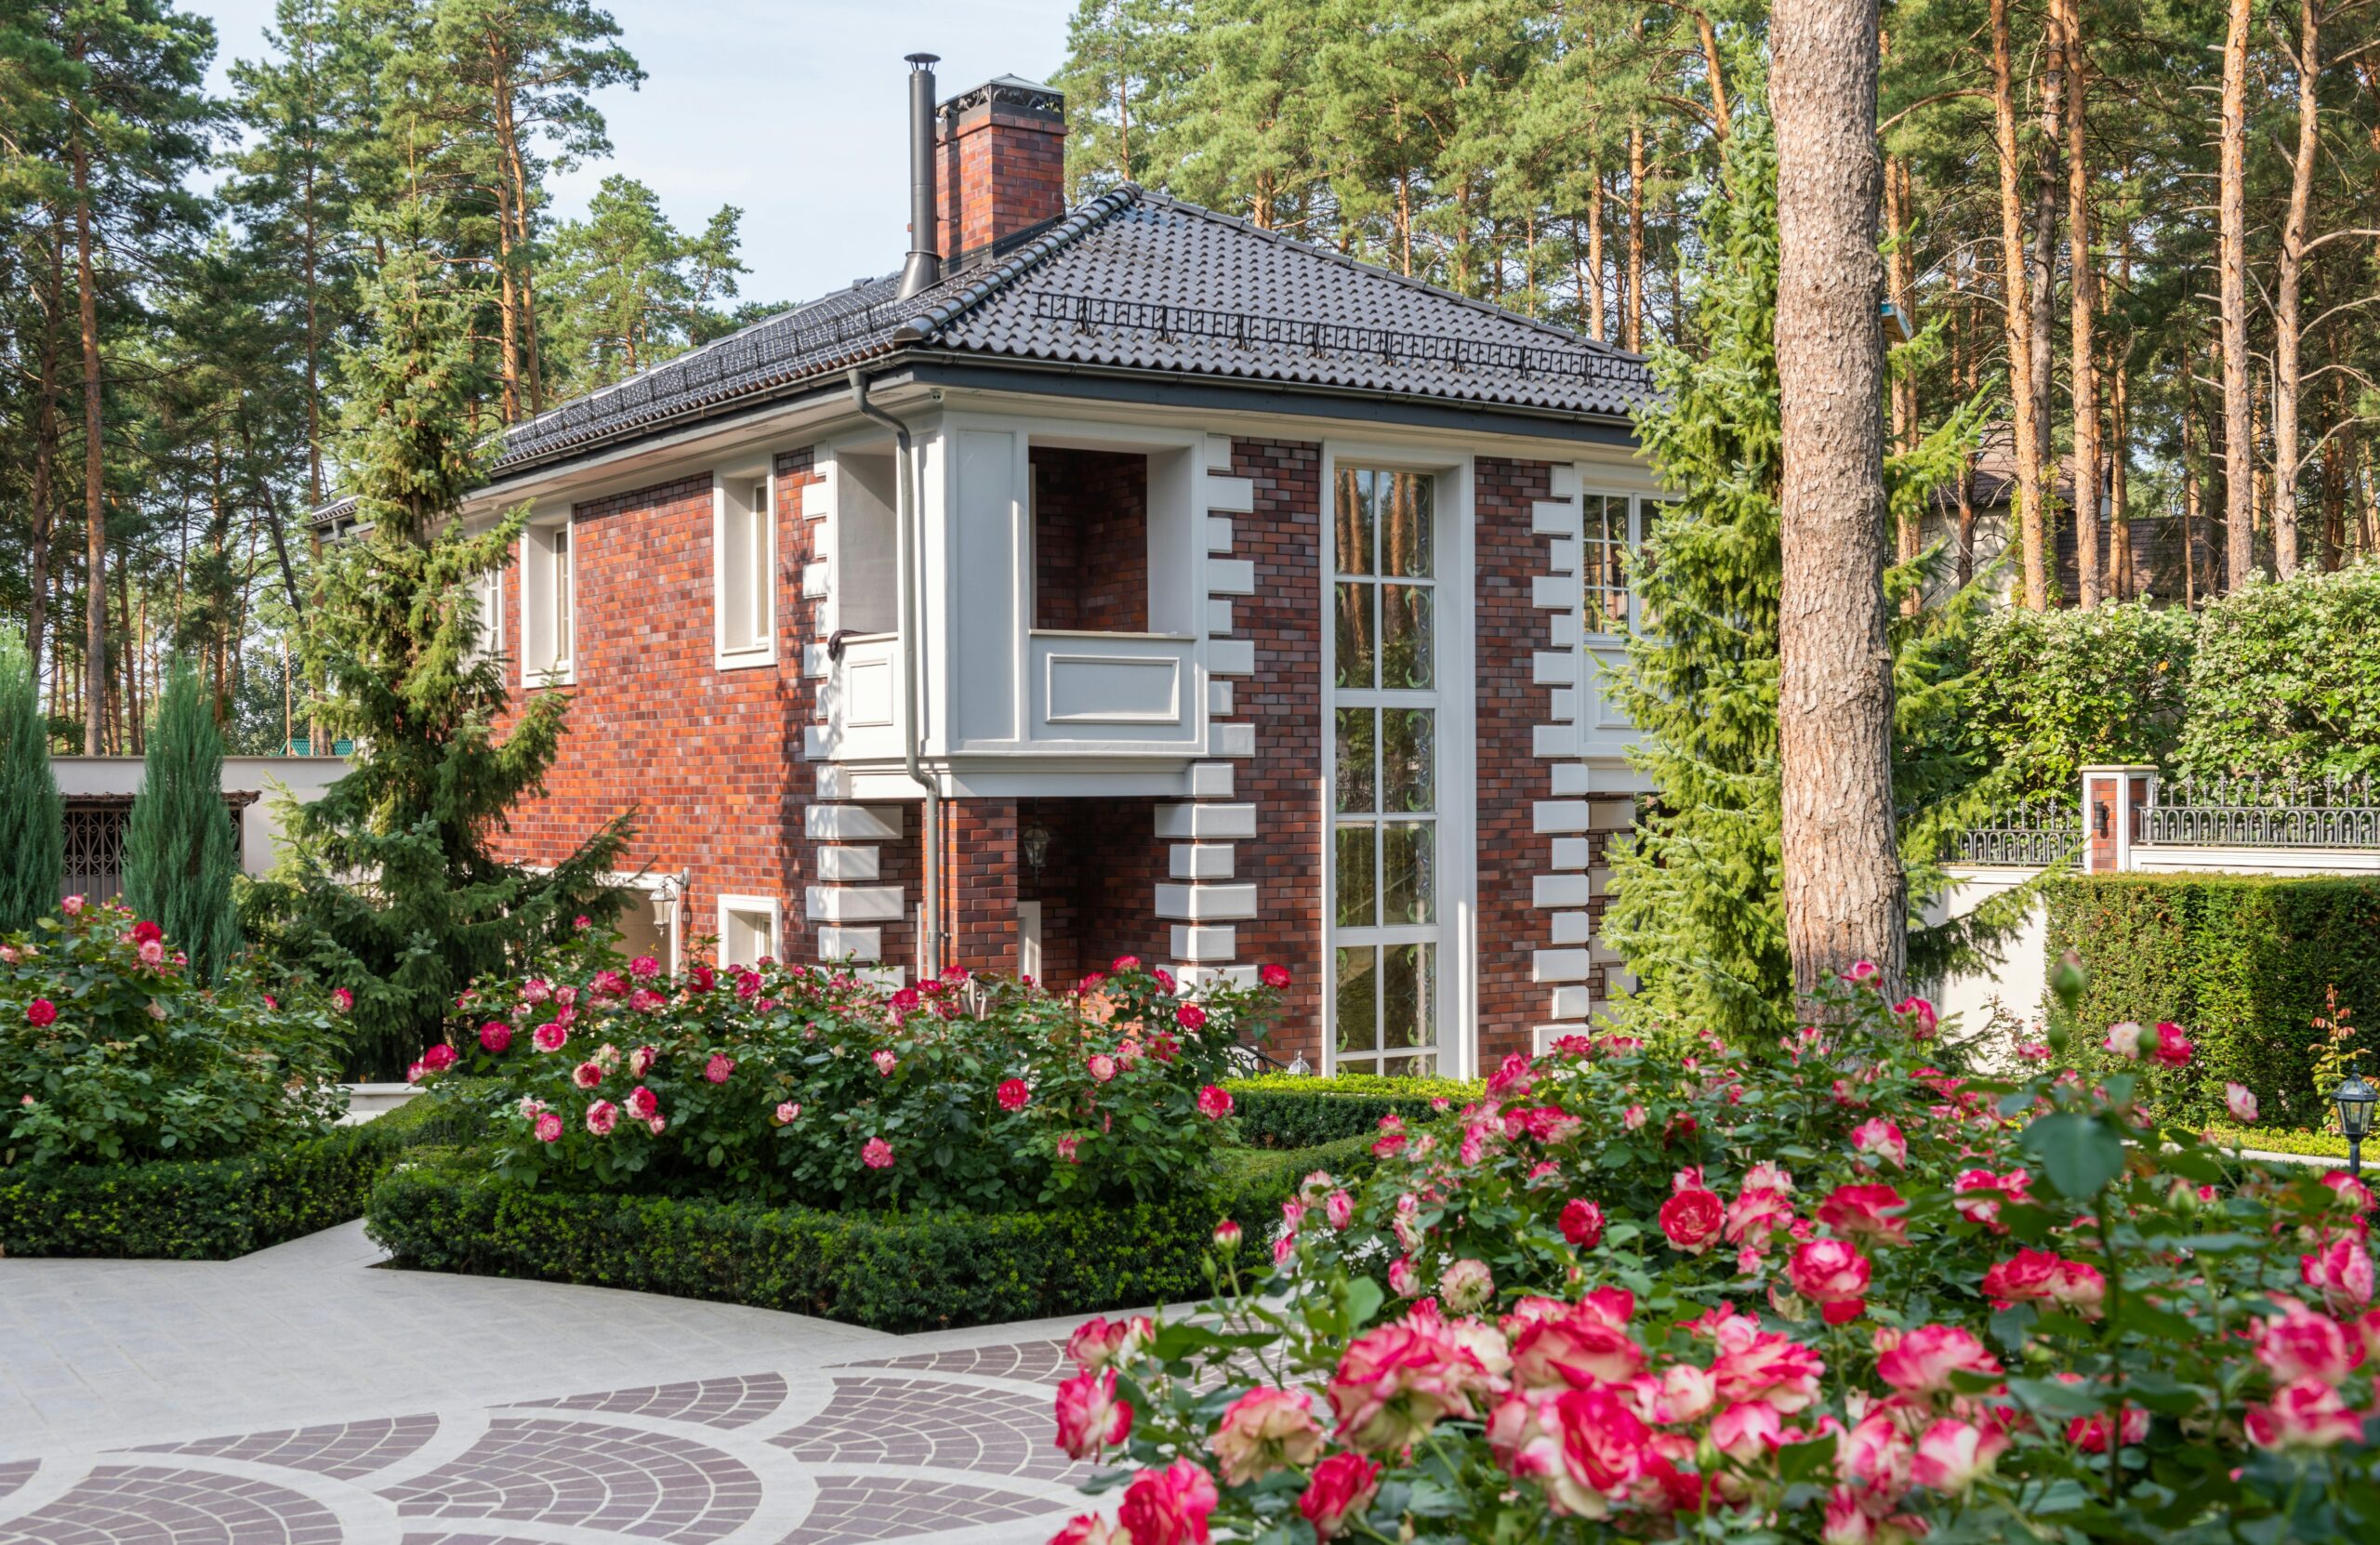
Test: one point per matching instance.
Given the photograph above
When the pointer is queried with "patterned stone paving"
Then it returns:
(155, 1403)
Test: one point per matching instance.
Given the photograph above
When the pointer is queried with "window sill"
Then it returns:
(559, 676)
(744, 659)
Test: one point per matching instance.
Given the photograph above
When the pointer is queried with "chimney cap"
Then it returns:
(923, 61)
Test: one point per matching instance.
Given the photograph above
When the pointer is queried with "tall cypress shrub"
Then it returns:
(1697, 902)
(32, 817)
(181, 847)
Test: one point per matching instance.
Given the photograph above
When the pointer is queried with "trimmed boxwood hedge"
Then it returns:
(1281, 1109)
(212, 1210)
(894, 1272)
(2240, 961)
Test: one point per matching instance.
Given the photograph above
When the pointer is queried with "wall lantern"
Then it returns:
(1035, 841)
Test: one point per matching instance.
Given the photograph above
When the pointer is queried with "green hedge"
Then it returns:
(213, 1210)
(894, 1272)
(1281, 1110)
(2240, 961)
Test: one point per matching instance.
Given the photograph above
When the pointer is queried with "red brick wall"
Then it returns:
(708, 758)
(1098, 892)
(1000, 170)
(1091, 540)
(1285, 779)
(980, 883)
(1507, 630)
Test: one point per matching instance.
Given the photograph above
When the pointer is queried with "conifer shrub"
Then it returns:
(32, 817)
(179, 847)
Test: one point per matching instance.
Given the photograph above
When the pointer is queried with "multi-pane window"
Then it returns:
(1384, 714)
(747, 616)
(1603, 562)
(487, 591)
(548, 603)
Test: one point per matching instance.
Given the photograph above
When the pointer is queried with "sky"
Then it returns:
(792, 111)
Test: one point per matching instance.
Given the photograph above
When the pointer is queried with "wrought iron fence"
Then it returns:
(2031, 835)
(2263, 813)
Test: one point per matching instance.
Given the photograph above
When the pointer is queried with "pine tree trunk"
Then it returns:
(2081, 315)
(1720, 119)
(1597, 322)
(2288, 304)
(2238, 434)
(2016, 313)
(1910, 538)
(47, 387)
(94, 610)
(1632, 316)
(1846, 898)
(2189, 483)
(2040, 282)
(2122, 583)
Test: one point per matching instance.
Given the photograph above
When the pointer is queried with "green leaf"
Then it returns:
(2080, 1153)
(1363, 1301)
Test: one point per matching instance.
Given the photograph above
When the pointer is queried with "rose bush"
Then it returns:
(1829, 1294)
(112, 1053)
(814, 1085)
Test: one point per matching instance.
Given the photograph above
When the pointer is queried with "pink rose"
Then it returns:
(587, 1075)
(1395, 1383)
(1214, 1101)
(1922, 1361)
(1865, 974)
(1633, 1118)
(644, 1000)
(1570, 1346)
(1832, 1274)
(643, 1103)
(1066, 1148)
(787, 1114)
(1876, 1456)
(1692, 1219)
(1878, 1138)
(1755, 1214)
(2172, 1047)
(341, 999)
(1168, 1505)
(885, 1061)
(1871, 1212)
(2079, 1287)
(1984, 1209)
(1125, 963)
(1089, 1528)
(1264, 1431)
(548, 1126)
(2307, 1414)
(548, 1036)
(1747, 1433)
(645, 967)
(602, 1116)
(1954, 1455)
(2298, 1344)
(1102, 1066)
(535, 990)
(1403, 1280)
(71, 907)
(718, 1067)
(41, 1011)
(1920, 1014)
(1343, 1485)
(1190, 1017)
(1099, 1342)
(495, 1037)
(1759, 1365)
(2240, 1101)
(2347, 1191)
(2341, 1271)
(1014, 1094)
(1274, 976)
(641, 1061)
(1466, 1285)
(1602, 1449)
(1090, 1418)
(1227, 1235)
(657, 1123)
(876, 1154)
(1582, 1223)
(2023, 1278)
(1340, 1208)
(2123, 1039)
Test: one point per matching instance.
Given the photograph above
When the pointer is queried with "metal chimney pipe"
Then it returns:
(924, 267)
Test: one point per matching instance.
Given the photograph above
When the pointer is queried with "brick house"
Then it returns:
(1124, 579)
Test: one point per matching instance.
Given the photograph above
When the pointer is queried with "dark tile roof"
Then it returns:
(1134, 281)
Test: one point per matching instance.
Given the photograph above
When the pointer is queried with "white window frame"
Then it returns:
(654, 891)
(1455, 1051)
(733, 904)
(540, 616)
(1637, 501)
(488, 588)
(732, 499)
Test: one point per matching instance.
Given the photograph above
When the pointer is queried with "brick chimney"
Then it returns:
(1002, 150)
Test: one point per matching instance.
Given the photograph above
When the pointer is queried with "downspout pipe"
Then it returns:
(908, 526)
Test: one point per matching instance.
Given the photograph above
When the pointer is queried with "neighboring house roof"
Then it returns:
(1133, 281)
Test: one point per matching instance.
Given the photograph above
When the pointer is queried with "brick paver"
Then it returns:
(531, 1414)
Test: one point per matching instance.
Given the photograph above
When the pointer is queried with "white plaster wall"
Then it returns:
(266, 777)
(2012, 988)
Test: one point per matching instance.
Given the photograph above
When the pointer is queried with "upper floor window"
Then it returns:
(1616, 527)
(548, 603)
(745, 545)
(1386, 577)
(487, 593)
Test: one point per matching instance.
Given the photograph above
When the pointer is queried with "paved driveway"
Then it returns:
(302, 1397)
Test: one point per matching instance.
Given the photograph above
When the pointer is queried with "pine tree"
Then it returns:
(389, 887)
(1697, 903)
(32, 818)
(178, 848)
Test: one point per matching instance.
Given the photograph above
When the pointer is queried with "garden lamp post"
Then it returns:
(2355, 1099)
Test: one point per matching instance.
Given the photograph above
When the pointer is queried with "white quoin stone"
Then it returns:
(1203, 946)
(852, 822)
(1205, 904)
(1234, 496)
(1548, 519)
(1561, 965)
(850, 943)
(1560, 890)
(842, 863)
(1231, 576)
(1200, 861)
(1210, 780)
(1206, 823)
(852, 904)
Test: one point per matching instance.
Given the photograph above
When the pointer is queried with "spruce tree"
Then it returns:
(389, 887)
(32, 818)
(1696, 905)
(180, 848)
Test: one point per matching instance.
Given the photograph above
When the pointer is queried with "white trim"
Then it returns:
(669, 888)
(725, 490)
(1456, 932)
(538, 609)
(747, 904)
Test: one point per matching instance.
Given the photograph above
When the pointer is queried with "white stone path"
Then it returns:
(300, 1396)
